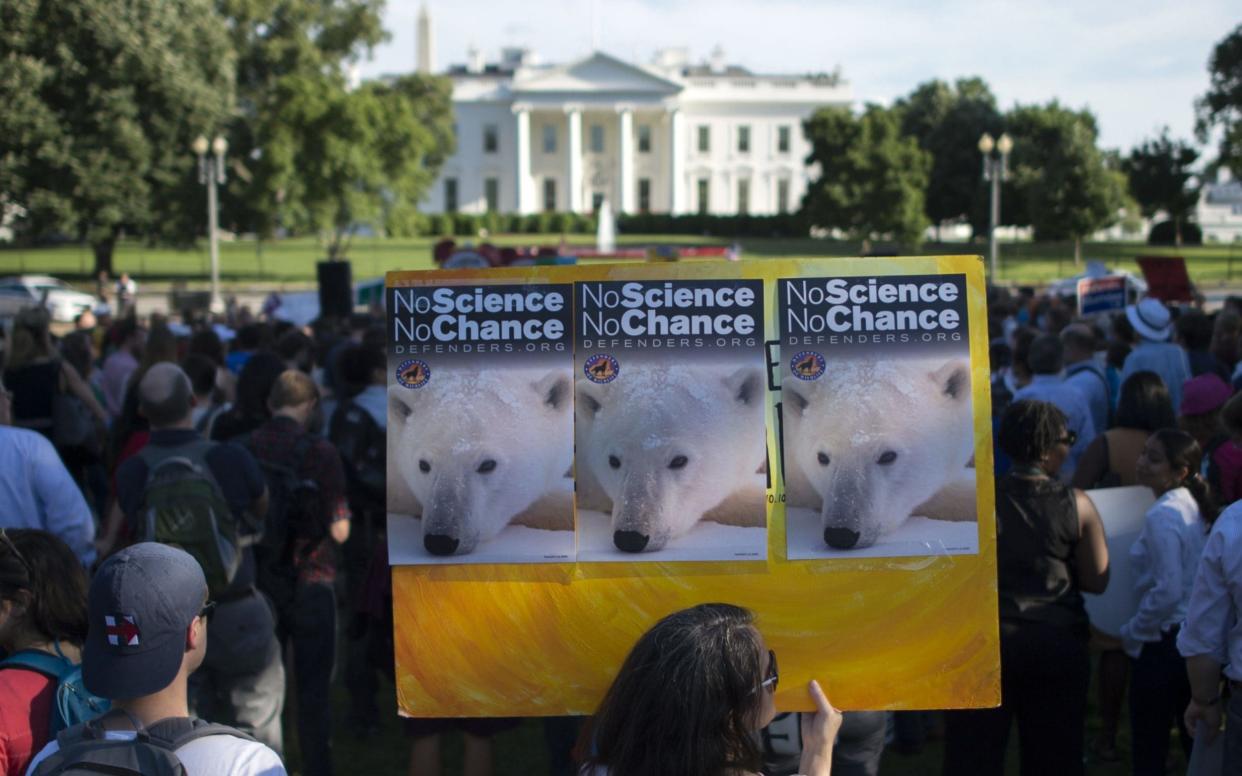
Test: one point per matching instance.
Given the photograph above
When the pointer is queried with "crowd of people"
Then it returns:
(258, 448)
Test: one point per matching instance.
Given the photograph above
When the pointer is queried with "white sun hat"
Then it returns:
(1150, 319)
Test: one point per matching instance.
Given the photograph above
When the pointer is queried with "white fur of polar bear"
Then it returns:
(473, 452)
(664, 447)
(871, 443)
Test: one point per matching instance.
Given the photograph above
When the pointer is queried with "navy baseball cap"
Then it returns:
(141, 602)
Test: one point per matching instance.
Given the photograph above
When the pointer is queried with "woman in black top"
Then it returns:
(1050, 548)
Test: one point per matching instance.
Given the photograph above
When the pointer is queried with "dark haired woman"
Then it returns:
(254, 385)
(1050, 549)
(42, 608)
(1143, 406)
(689, 698)
(1165, 559)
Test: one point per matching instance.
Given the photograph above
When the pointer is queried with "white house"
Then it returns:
(1219, 212)
(665, 137)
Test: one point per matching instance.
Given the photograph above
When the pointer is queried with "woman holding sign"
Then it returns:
(689, 698)
(1050, 549)
(1165, 559)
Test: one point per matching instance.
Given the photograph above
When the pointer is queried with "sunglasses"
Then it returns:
(7, 541)
(773, 676)
(206, 612)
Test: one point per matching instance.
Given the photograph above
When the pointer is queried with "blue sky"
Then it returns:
(1138, 64)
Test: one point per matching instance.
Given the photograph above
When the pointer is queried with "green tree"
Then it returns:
(1161, 178)
(948, 121)
(342, 158)
(1063, 184)
(102, 99)
(280, 43)
(1221, 107)
(872, 177)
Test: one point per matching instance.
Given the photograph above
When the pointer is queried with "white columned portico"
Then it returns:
(626, 159)
(574, 153)
(677, 163)
(525, 202)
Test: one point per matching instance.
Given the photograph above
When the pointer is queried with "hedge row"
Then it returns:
(469, 224)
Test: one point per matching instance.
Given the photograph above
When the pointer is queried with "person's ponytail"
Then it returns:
(1202, 492)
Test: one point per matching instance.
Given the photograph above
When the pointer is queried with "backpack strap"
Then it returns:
(32, 659)
(175, 732)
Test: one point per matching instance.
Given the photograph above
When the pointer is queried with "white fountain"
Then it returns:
(606, 229)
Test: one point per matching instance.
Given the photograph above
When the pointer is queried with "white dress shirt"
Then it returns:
(1212, 627)
(1164, 558)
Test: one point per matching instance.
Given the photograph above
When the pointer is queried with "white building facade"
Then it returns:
(664, 138)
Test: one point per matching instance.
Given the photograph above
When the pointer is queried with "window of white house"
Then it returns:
(450, 195)
(743, 139)
(549, 139)
(491, 138)
(705, 139)
(644, 139)
(491, 193)
(549, 194)
(597, 139)
(782, 139)
(743, 196)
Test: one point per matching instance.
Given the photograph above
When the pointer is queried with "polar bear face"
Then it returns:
(877, 439)
(668, 445)
(480, 450)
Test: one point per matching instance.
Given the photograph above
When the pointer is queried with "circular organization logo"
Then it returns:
(601, 368)
(413, 373)
(807, 365)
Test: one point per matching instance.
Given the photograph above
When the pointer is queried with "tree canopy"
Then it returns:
(340, 158)
(872, 178)
(1064, 185)
(947, 120)
(1161, 178)
(102, 100)
(1221, 107)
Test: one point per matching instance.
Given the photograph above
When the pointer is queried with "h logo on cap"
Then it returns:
(121, 630)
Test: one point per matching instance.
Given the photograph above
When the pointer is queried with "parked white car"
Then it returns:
(61, 300)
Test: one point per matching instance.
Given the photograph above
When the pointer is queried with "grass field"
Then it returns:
(293, 260)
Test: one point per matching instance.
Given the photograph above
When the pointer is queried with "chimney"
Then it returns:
(474, 59)
(718, 60)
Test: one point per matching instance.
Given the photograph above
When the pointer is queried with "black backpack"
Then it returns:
(363, 446)
(293, 513)
(86, 749)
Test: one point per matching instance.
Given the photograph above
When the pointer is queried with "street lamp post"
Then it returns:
(995, 170)
(211, 173)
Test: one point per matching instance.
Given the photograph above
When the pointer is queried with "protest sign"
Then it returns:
(695, 355)
(1101, 295)
(1167, 279)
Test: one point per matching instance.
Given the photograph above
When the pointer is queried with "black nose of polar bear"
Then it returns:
(840, 538)
(630, 541)
(439, 544)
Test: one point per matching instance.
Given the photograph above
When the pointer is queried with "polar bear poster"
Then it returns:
(670, 407)
(480, 426)
(877, 418)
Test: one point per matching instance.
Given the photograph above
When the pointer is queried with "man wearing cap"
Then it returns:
(147, 634)
(1154, 352)
(242, 679)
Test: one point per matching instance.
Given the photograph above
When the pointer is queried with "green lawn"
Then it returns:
(293, 260)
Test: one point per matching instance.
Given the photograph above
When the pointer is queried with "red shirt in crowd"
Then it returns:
(276, 441)
(25, 717)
